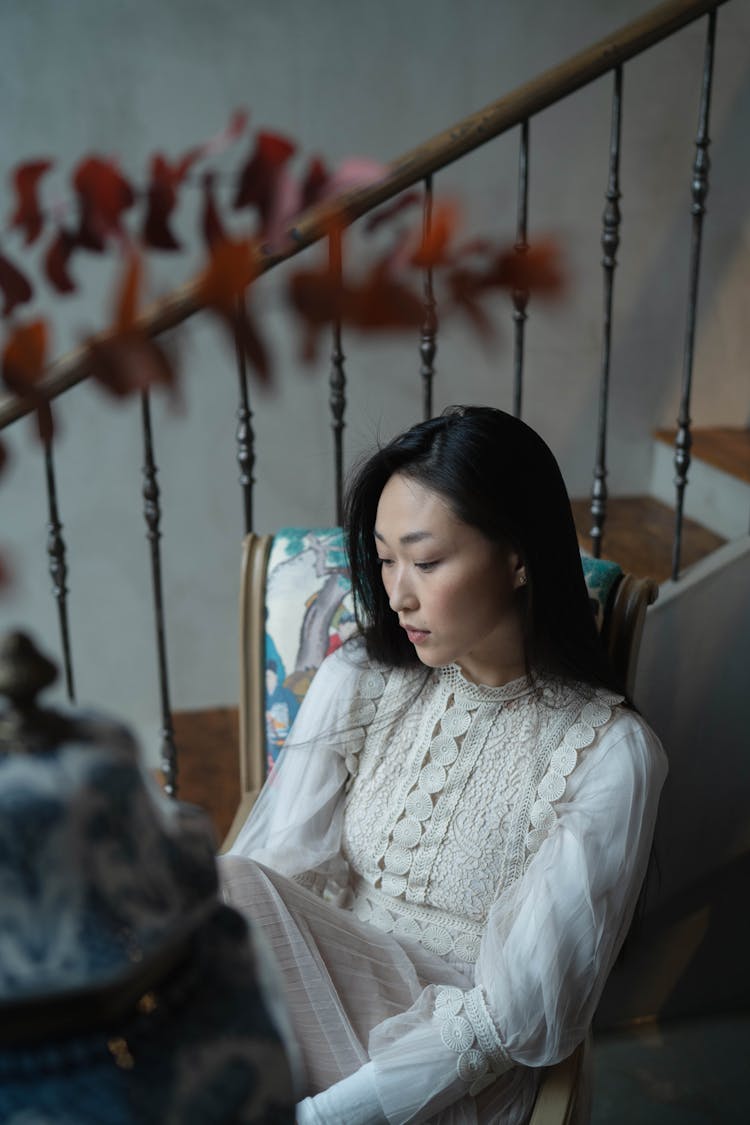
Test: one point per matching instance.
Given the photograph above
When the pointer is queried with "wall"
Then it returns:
(341, 77)
(691, 955)
(693, 688)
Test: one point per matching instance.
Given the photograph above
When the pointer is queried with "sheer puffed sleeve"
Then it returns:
(295, 826)
(550, 941)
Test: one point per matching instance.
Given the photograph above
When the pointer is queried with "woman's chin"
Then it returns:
(431, 659)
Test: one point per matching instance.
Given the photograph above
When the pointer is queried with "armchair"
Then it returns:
(295, 608)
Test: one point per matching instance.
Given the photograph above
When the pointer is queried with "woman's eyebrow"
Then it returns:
(410, 537)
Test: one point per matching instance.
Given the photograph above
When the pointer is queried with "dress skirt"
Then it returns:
(342, 977)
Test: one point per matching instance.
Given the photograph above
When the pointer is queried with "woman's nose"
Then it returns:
(401, 593)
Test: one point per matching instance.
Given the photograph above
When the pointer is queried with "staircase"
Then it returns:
(639, 530)
(718, 492)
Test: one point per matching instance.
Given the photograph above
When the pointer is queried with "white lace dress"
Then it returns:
(446, 872)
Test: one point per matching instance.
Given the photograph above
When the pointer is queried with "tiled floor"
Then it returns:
(693, 1072)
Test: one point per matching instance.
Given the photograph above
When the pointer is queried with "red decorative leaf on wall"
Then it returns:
(315, 295)
(24, 357)
(231, 268)
(382, 302)
(314, 183)
(355, 172)
(261, 177)
(161, 199)
(15, 286)
(103, 195)
(248, 338)
(129, 363)
(539, 269)
(165, 177)
(228, 135)
(435, 246)
(56, 261)
(379, 302)
(465, 295)
(28, 215)
(126, 307)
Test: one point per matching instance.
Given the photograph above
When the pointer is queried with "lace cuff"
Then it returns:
(466, 1027)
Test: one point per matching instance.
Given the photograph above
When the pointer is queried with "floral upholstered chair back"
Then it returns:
(309, 614)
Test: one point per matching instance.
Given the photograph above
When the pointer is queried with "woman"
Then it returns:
(465, 805)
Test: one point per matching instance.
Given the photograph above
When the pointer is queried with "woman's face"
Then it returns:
(454, 591)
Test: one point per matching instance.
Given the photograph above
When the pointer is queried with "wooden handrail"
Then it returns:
(466, 135)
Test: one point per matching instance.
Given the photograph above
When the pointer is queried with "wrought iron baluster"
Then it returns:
(610, 243)
(699, 190)
(428, 339)
(244, 434)
(337, 399)
(58, 568)
(152, 514)
(521, 296)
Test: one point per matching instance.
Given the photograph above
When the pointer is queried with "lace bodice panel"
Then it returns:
(444, 805)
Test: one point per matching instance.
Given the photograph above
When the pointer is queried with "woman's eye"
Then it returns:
(426, 565)
(384, 562)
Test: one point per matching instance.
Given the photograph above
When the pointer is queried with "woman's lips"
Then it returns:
(416, 636)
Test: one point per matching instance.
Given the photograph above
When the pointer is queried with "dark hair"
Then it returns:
(499, 476)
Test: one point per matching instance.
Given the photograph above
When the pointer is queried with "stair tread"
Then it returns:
(725, 447)
(638, 534)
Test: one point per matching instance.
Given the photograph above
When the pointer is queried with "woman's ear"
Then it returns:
(518, 570)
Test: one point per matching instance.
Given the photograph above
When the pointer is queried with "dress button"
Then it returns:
(564, 758)
(443, 749)
(438, 940)
(472, 1065)
(552, 786)
(408, 927)
(595, 713)
(542, 814)
(457, 1033)
(407, 832)
(432, 778)
(419, 805)
(393, 885)
(449, 1000)
(397, 860)
(455, 721)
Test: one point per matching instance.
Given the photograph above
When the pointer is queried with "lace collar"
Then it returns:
(452, 676)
